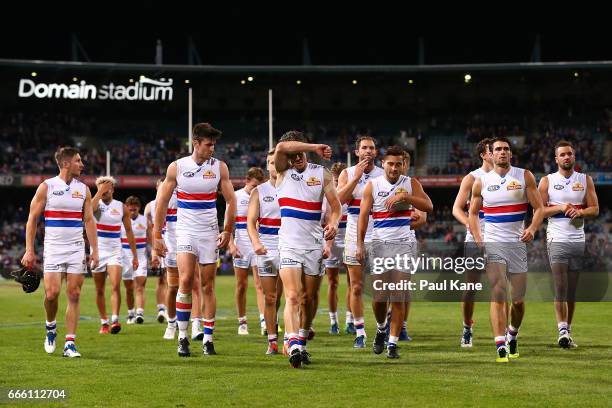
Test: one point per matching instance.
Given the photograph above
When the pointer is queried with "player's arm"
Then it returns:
(535, 200)
(364, 218)
(592, 203)
(147, 214)
(461, 199)
(475, 204)
(346, 186)
(90, 229)
(227, 189)
(283, 150)
(102, 189)
(419, 199)
(127, 224)
(419, 218)
(164, 193)
(37, 206)
(549, 210)
(335, 209)
(252, 218)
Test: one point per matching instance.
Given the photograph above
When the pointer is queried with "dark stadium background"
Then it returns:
(413, 91)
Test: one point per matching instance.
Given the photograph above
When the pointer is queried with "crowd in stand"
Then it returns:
(27, 143)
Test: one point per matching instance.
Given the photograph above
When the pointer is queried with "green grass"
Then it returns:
(139, 368)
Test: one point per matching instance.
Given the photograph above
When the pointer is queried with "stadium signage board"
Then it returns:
(145, 89)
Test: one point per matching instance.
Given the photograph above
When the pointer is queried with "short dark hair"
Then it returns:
(65, 153)
(500, 139)
(482, 146)
(395, 150)
(293, 136)
(563, 143)
(363, 137)
(406, 156)
(205, 131)
(337, 168)
(271, 152)
(255, 173)
(133, 200)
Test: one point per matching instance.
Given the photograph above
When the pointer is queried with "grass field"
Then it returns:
(138, 368)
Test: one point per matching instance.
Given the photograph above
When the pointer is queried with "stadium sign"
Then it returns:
(145, 89)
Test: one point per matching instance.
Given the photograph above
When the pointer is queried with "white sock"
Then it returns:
(360, 326)
(140, 311)
(349, 317)
(114, 318)
(103, 321)
(51, 326)
(333, 317)
(392, 340)
(562, 326)
(381, 326)
(131, 312)
(512, 332)
(195, 325)
(161, 306)
(262, 320)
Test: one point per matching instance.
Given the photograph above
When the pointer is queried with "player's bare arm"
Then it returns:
(475, 205)
(227, 189)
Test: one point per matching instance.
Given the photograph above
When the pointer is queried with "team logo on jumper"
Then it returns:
(77, 194)
(244, 202)
(58, 192)
(514, 185)
(268, 199)
(140, 227)
(383, 193)
(400, 190)
(114, 211)
(559, 187)
(188, 174)
(296, 177)
(208, 174)
(313, 181)
(494, 187)
(577, 186)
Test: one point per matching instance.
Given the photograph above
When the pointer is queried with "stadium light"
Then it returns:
(467, 78)
(243, 82)
(75, 79)
(34, 74)
(298, 82)
(410, 81)
(131, 80)
(576, 74)
(187, 81)
(250, 79)
(354, 82)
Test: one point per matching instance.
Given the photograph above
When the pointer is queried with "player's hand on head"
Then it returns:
(324, 151)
